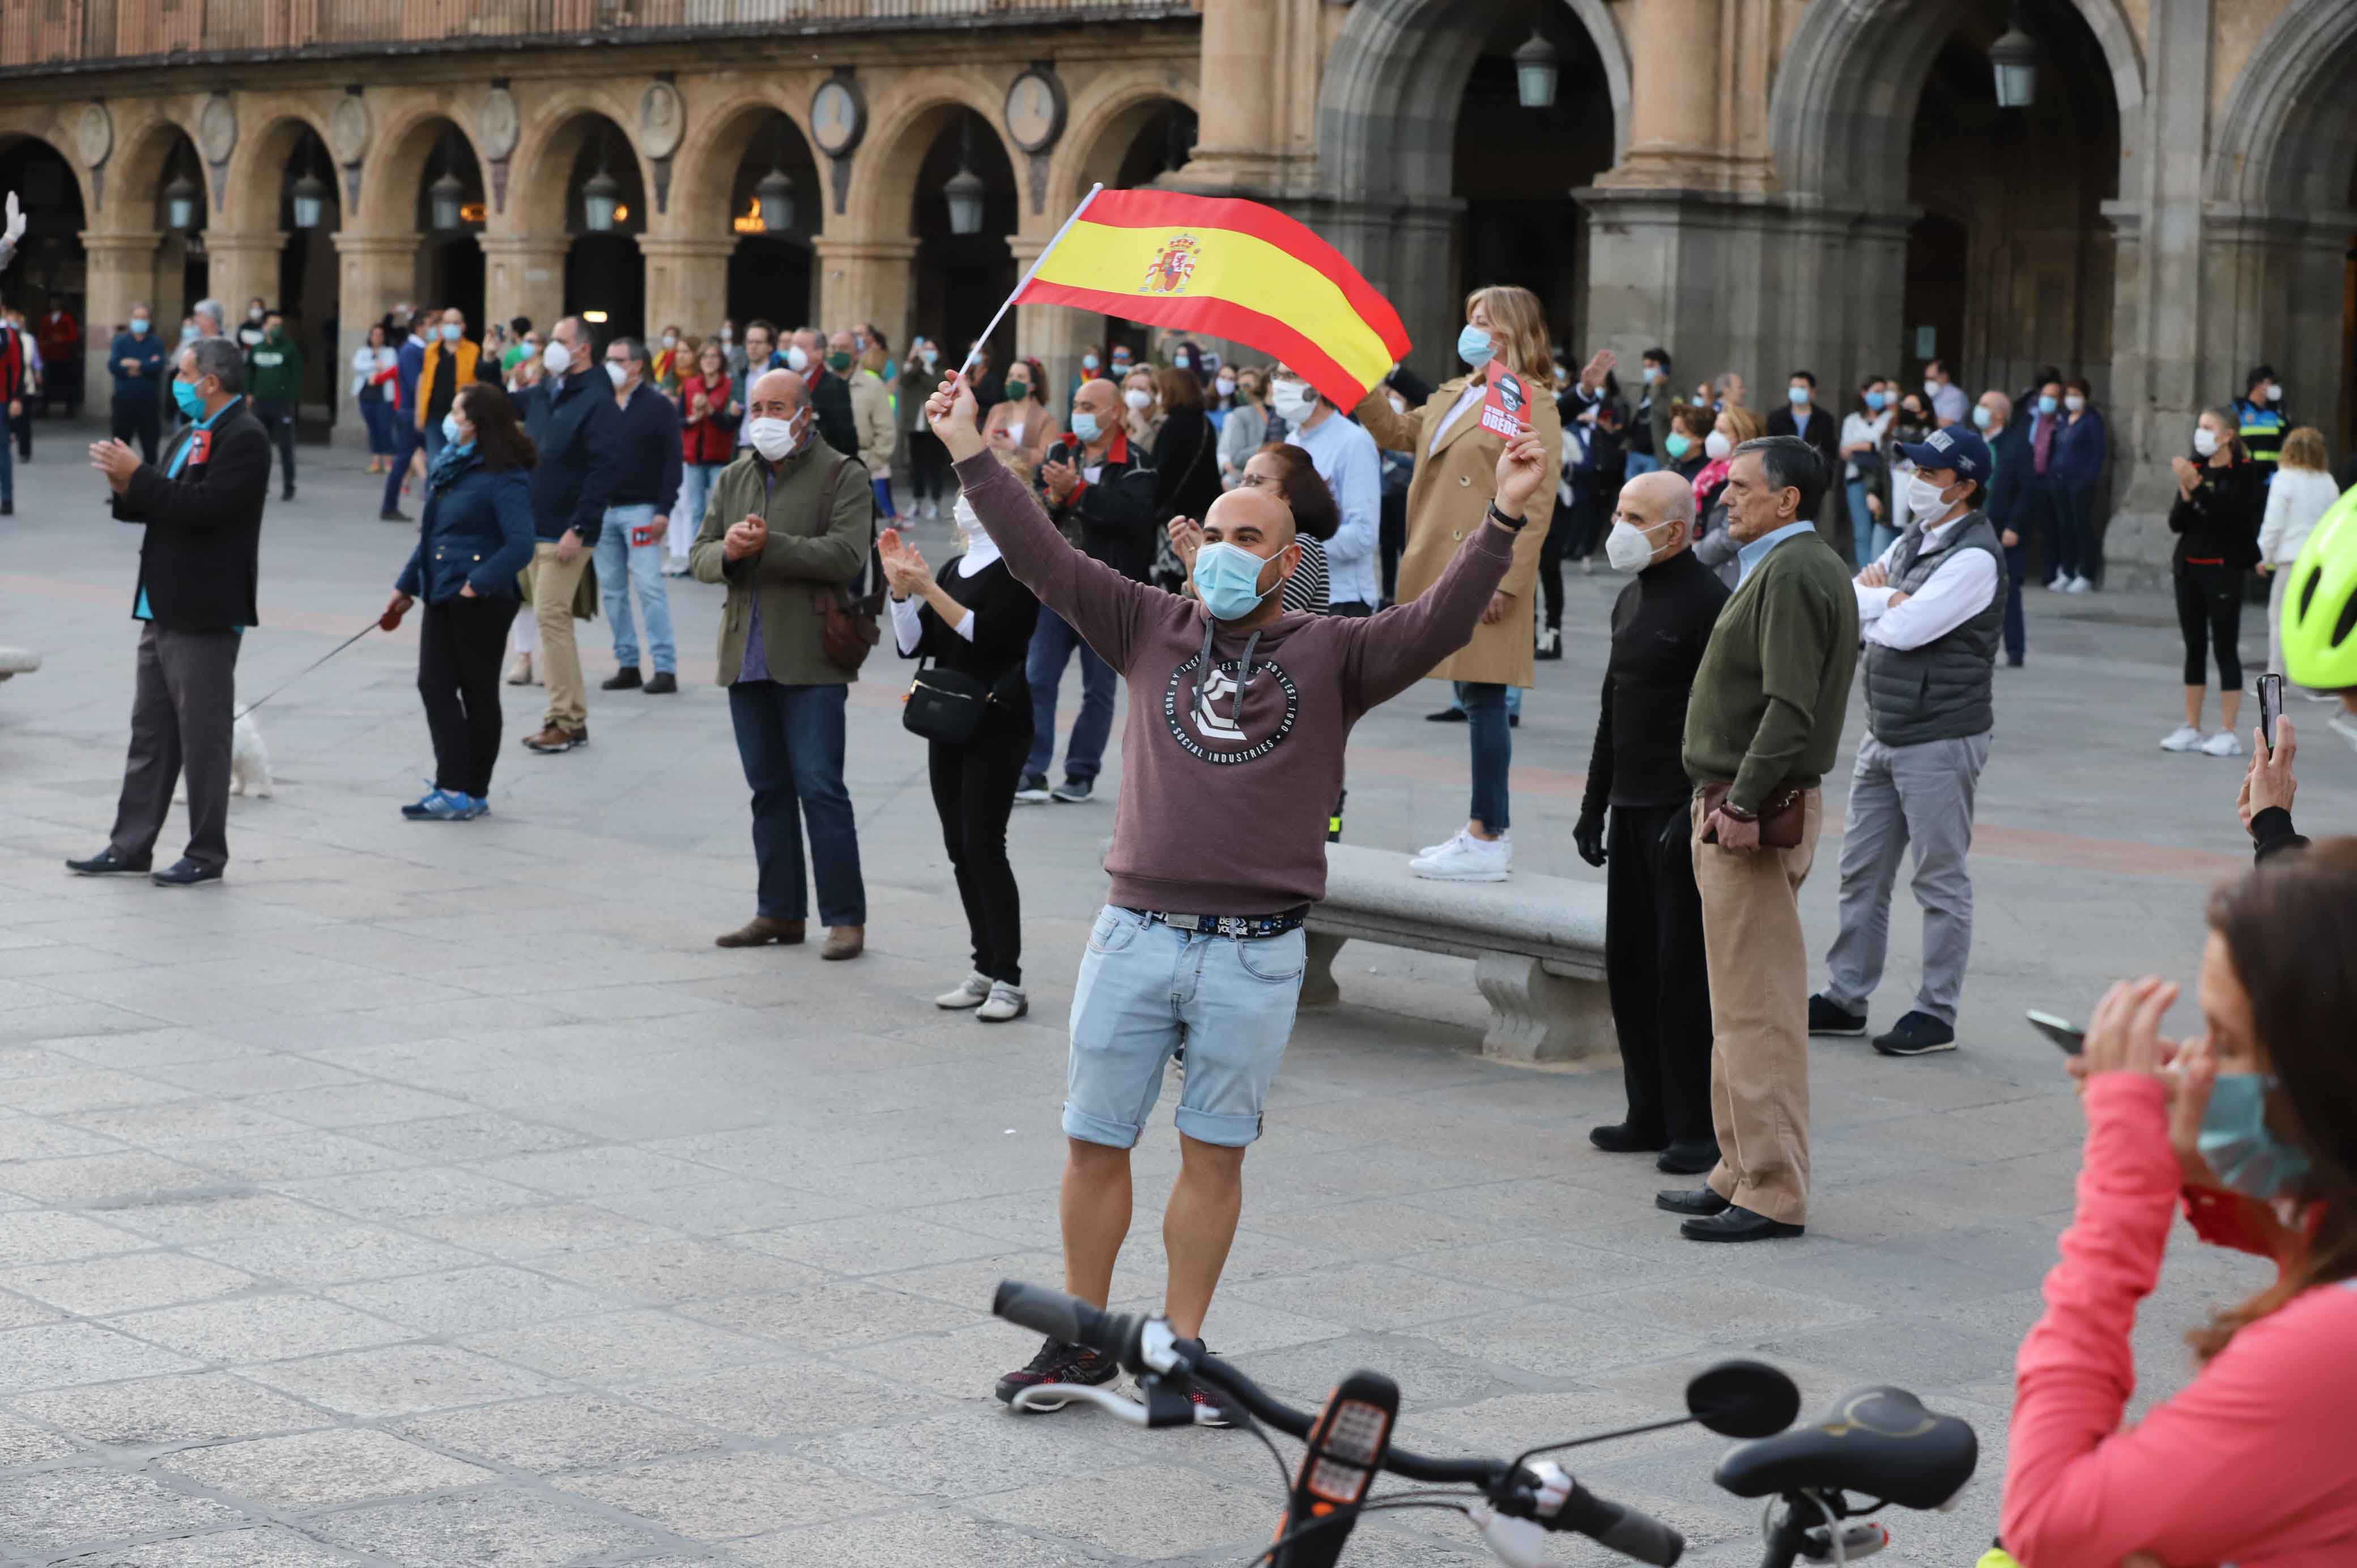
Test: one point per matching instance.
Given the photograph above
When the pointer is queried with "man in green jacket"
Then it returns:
(787, 525)
(275, 384)
(1764, 718)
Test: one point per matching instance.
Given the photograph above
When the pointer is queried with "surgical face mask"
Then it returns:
(1630, 548)
(254, 314)
(1653, 372)
(617, 373)
(1474, 347)
(838, 363)
(1875, 401)
(1225, 386)
(931, 357)
(1227, 578)
(2275, 394)
(1924, 497)
(557, 358)
(774, 439)
(452, 434)
(1085, 427)
(1138, 398)
(1088, 361)
(2205, 441)
(671, 339)
(796, 359)
(451, 330)
(1294, 400)
(2074, 403)
(1018, 390)
(1931, 387)
(729, 334)
(1715, 445)
(1679, 443)
(2236, 1139)
(2045, 403)
(139, 326)
(1981, 416)
(1798, 395)
(185, 395)
(188, 332)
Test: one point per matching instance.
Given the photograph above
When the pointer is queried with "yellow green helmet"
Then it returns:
(2319, 607)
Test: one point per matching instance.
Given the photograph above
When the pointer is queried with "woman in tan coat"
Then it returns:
(1456, 474)
(1020, 421)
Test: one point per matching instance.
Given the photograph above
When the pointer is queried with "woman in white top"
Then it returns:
(1020, 420)
(374, 367)
(1246, 426)
(1864, 470)
(2300, 493)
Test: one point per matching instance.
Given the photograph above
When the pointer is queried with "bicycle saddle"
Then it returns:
(1880, 1442)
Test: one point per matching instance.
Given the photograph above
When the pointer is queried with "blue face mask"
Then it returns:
(1227, 579)
(1679, 445)
(2046, 404)
(2236, 1139)
(1473, 346)
(139, 326)
(450, 332)
(1876, 400)
(1798, 395)
(450, 431)
(186, 396)
(1085, 427)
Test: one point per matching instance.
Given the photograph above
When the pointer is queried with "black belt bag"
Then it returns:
(944, 705)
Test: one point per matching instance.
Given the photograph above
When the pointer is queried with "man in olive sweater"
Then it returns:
(1765, 717)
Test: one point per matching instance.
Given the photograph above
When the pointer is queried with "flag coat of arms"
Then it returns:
(1227, 269)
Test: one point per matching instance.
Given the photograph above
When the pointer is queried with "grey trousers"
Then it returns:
(181, 712)
(1898, 795)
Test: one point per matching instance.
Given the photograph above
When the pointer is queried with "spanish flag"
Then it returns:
(1228, 269)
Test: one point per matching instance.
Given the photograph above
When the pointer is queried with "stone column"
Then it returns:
(523, 275)
(1259, 91)
(379, 270)
(119, 270)
(240, 266)
(867, 280)
(687, 282)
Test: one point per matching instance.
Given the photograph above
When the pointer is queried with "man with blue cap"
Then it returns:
(1933, 607)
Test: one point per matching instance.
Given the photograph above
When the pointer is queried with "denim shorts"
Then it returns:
(1145, 989)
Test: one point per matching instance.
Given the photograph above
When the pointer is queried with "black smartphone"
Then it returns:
(2270, 707)
(2066, 1035)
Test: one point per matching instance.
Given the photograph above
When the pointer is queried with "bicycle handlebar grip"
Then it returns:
(1064, 1318)
(1630, 1531)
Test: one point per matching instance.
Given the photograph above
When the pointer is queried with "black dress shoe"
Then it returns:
(661, 684)
(1620, 1138)
(106, 863)
(1445, 716)
(187, 872)
(626, 678)
(1698, 1201)
(1824, 1018)
(1738, 1224)
(1689, 1159)
(1916, 1034)
(394, 514)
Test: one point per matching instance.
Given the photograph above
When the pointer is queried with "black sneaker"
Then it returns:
(1033, 791)
(1058, 1362)
(663, 684)
(187, 872)
(1204, 1399)
(1916, 1034)
(1445, 716)
(626, 678)
(1824, 1018)
(1071, 792)
(394, 514)
(106, 863)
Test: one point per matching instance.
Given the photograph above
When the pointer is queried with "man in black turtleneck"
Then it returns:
(1652, 933)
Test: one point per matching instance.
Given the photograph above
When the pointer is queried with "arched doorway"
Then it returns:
(962, 278)
(310, 212)
(449, 213)
(50, 272)
(605, 212)
(770, 271)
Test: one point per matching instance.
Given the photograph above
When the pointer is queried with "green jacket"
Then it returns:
(277, 373)
(805, 552)
(1773, 689)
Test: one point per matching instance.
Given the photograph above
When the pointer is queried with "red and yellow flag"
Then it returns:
(1228, 269)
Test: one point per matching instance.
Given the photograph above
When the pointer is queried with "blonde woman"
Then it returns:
(1141, 407)
(1454, 478)
(2299, 495)
(1714, 546)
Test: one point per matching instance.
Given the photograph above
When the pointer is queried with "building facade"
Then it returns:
(1763, 185)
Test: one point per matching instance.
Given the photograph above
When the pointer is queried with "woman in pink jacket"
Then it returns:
(2254, 1463)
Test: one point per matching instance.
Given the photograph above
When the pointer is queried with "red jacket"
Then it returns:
(60, 337)
(712, 439)
(11, 366)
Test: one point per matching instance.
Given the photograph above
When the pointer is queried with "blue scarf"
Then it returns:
(451, 463)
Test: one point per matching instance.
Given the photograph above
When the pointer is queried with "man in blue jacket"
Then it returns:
(572, 419)
(405, 437)
(137, 360)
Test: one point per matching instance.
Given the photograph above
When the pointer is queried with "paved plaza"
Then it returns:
(438, 1195)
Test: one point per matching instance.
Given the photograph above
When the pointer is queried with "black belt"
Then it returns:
(1249, 927)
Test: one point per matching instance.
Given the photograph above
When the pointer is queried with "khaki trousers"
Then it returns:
(552, 583)
(1759, 967)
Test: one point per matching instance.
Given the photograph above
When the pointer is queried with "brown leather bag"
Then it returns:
(1782, 815)
(847, 625)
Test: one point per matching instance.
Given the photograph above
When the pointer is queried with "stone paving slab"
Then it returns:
(438, 1195)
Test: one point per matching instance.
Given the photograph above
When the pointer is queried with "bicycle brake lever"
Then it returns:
(1165, 1404)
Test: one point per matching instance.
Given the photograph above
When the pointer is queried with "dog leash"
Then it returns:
(314, 664)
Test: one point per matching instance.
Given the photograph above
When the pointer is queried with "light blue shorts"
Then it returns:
(1144, 990)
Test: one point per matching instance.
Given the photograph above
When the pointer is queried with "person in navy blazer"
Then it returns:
(475, 537)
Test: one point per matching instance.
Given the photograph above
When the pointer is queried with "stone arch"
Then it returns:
(704, 171)
(396, 161)
(1102, 123)
(901, 127)
(1848, 84)
(145, 137)
(557, 129)
(257, 169)
(2287, 139)
(33, 122)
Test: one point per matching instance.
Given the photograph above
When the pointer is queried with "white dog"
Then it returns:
(249, 761)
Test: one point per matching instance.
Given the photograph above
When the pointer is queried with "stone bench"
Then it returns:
(1537, 945)
(18, 661)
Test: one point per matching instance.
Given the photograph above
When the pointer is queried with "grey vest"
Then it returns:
(1942, 690)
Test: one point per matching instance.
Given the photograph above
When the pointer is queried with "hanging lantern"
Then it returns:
(601, 196)
(180, 196)
(311, 201)
(446, 200)
(774, 200)
(965, 190)
(1535, 72)
(2015, 58)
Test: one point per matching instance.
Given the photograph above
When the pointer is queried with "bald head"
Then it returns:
(1252, 516)
(778, 395)
(1662, 505)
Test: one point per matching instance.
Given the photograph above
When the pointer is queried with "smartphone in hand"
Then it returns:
(2271, 693)
(2071, 1038)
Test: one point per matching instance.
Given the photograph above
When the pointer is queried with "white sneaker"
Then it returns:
(1429, 851)
(1467, 859)
(2057, 583)
(971, 991)
(2223, 744)
(1005, 1002)
(2080, 586)
(2184, 737)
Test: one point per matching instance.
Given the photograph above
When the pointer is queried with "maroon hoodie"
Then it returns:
(1225, 794)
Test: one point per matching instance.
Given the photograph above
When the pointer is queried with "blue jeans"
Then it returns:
(1869, 535)
(883, 488)
(1145, 989)
(1051, 649)
(623, 566)
(377, 415)
(790, 739)
(1485, 706)
(1642, 463)
(404, 442)
(687, 516)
